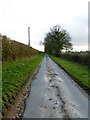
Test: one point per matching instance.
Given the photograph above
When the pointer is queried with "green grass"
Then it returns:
(0, 85)
(76, 70)
(15, 74)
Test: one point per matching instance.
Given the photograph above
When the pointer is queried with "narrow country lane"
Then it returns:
(53, 94)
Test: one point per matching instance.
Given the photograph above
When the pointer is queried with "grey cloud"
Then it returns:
(78, 30)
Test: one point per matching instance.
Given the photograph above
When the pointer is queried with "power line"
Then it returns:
(17, 15)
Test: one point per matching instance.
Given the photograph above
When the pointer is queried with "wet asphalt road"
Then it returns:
(54, 95)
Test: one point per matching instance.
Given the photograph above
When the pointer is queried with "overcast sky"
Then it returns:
(40, 15)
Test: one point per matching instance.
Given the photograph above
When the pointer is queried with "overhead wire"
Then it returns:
(17, 15)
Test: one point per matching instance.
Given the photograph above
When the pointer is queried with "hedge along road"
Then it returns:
(53, 94)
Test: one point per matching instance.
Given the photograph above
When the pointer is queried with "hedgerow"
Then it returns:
(12, 50)
(79, 57)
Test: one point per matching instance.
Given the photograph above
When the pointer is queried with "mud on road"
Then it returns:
(54, 95)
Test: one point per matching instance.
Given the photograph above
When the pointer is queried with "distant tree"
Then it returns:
(56, 40)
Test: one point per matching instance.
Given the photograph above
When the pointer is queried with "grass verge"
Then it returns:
(0, 86)
(77, 71)
(15, 74)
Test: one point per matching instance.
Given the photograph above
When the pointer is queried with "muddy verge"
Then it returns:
(16, 109)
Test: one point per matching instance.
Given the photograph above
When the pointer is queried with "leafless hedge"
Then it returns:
(80, 57)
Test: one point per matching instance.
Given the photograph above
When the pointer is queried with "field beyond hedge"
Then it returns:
(77, 71)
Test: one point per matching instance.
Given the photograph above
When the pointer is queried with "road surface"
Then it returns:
(53, 94)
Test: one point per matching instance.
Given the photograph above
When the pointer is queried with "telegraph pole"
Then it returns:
(28, 36)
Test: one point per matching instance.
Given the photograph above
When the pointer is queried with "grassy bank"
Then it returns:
(77, 71)
(15, 74)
